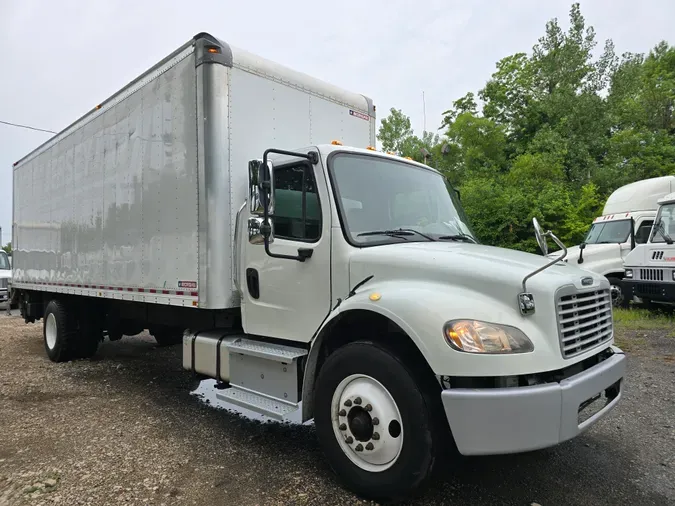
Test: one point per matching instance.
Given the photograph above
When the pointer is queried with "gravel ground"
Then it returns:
(126, 427)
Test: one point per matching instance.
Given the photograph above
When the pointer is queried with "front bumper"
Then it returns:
(494, 421)
(652, 290)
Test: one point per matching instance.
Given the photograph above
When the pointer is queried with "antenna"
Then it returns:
(424, 113)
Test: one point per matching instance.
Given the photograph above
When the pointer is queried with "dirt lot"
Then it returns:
(125, 428)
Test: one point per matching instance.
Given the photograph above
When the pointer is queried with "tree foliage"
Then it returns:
(551, 134)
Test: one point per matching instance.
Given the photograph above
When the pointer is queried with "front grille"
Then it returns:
(584, 321)
(647, 289)
(651, 274)
(3, 283)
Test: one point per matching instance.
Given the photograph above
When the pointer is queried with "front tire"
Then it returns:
(375, 422)
(618, 293)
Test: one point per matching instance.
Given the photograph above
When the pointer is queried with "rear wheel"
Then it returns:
(167, 336)
(90, 335)
(374, 421)
(59, 332)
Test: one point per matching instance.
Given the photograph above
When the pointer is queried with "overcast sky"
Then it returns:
(60, 58)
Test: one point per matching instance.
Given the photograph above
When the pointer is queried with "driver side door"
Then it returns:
(283, 298)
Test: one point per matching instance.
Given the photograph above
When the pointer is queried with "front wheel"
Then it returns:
(618, 293)
(374, 421)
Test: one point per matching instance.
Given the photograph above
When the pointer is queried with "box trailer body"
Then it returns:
(136, 200)
(626, 221)
(240, 208)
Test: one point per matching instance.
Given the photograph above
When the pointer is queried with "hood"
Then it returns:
(599, 258)
(470, 265)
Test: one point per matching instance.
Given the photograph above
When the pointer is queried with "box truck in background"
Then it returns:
(626, 221)
(329, 282)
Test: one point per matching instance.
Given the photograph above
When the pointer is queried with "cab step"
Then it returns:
(262, 404)
(268, 351)
(264, 377)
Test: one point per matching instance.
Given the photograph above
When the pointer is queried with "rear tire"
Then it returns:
(59, 332)
(167, 336)
(90, 335)
(401, 411)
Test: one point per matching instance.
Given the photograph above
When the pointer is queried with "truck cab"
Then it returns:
(5, 276)
(650, 268)
(626, 221)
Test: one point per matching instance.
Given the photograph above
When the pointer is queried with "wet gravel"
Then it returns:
(126, 428)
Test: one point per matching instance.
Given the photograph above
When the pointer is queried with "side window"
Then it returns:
(297, 213)
(642, 232)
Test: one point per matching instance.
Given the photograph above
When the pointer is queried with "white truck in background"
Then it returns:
(329, 282)
(626, 221)
(650, 268)
(5, 277)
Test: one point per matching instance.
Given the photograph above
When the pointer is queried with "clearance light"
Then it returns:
(371, 148)
(408, 157)
(391, 153)
(213, 50)
(336, 143)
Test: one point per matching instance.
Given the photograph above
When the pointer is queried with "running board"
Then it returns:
(264, 377)
(262, 404)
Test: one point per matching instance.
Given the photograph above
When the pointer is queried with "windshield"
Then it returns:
(4, 261)
(607, 232)
(381, 195)
(664, 225)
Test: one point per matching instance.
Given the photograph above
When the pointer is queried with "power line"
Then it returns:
(28, 127)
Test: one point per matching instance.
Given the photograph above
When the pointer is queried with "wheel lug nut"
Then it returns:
(349, 440)
(376, 436)
(343, 426)
(369, 446)
(357, 400)
(359, 447)
(348, 403)
(369, 407)
(342, 412)
(376, 421)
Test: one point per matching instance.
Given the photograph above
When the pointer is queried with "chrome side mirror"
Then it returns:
(540, 236)
(260, 187)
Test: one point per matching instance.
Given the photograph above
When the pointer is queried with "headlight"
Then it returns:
(628, 273)
(474, 336)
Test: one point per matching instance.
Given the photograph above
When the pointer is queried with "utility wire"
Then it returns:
(28, 127)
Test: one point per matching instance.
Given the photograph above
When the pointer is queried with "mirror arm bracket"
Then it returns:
(549, 264)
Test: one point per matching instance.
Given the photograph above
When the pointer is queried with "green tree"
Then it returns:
(7, 248)
(395, 131)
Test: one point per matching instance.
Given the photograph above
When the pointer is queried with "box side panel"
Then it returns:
(332, 121)
(112, 206)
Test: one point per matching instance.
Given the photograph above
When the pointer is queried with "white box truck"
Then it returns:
(650, 268)
(625, 222)
(329, 282)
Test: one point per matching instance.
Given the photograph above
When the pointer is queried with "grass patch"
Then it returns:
(643, 319)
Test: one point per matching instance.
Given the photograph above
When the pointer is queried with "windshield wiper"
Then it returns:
(458, 237)
(399, 232)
